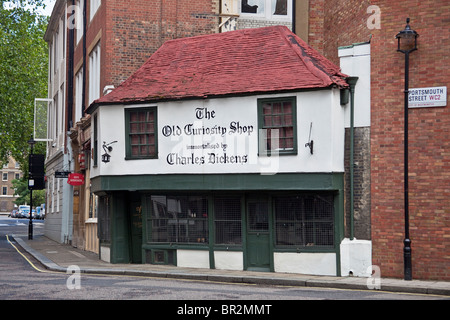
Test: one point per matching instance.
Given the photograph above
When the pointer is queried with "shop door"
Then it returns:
(136, 231)
(258, 236)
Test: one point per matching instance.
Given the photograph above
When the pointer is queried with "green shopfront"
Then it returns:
(237, 222)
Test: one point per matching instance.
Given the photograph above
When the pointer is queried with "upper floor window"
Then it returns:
(141, 133)
(269, 9)
(79, 4)
(95, 4)
(278, 126)
(94, 74)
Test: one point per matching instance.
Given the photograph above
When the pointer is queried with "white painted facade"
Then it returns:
(58, 220)
(236, 120)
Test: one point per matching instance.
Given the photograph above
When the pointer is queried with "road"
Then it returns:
(22, 278)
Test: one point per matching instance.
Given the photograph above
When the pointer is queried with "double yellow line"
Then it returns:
(28, 260)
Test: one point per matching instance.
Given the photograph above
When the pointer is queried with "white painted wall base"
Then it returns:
(323, 264)
(105, 254)
(193, 258)
(229, 260)
(356, 258)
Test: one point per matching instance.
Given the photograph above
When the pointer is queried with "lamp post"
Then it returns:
(407, 43)
(31, 142)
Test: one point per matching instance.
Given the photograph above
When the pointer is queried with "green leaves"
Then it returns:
(23, 75)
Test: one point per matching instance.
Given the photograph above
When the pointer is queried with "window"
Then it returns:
(104, 219)
(304, 220)
(94, 74)
(79, 95)
(178, 219)
(141, 133)
(4, 191)
(5, 176)
(227, 220)
(269, 9)
(278, 126)
(79, 7)
(95, 151)
(95, 4)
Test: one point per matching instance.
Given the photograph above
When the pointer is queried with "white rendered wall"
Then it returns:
(193, 258)
(320, 108)
(323, 264)
(229, 260)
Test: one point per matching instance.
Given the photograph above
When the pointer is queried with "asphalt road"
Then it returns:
(22, 278)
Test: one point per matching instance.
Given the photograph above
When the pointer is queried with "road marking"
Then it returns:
(31, 263)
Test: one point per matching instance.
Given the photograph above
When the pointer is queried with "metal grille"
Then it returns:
(227, 220)
(179, 219)
(304, 220)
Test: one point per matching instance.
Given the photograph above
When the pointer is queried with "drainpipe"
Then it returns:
(70, 77)
(83, 98)
(293, 15)
(352, 82)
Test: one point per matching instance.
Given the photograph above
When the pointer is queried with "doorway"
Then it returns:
(135, 220)
(259, 253)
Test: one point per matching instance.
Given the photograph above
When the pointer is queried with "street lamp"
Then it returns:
(31, 142)
(407, 43)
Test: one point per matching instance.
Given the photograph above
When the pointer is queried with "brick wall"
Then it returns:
(335, 23)
(429, 142)
(135, 32)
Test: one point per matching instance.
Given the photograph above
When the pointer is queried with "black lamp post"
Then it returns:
(31, 142)
(407, 43)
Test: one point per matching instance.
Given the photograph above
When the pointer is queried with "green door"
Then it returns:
(136, 230)
(258, 236)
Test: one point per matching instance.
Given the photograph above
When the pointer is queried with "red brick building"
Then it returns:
(341, 23)
(429, 142)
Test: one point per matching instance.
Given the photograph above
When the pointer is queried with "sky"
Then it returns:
(49, 7)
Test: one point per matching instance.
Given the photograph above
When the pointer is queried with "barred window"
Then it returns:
(277, 121)
(304, 220)
(179, 219)
(227, 221)
(141, 133)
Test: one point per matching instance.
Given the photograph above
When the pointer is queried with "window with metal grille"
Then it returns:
(227, 220)
(141, 133)
(179, 219)
(277, 121)
(304, 220)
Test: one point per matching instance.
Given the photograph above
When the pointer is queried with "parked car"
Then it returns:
(24, 211)
(13, 213)
(40, 213)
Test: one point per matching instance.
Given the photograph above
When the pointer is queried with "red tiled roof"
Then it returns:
(240, 62)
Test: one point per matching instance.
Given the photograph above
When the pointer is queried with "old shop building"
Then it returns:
(224, 151)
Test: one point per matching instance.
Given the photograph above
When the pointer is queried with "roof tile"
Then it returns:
(246, 61)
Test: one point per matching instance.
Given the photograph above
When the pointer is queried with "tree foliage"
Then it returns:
(20, 187)
(23, 76)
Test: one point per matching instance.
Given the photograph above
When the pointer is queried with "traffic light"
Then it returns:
(36, 172)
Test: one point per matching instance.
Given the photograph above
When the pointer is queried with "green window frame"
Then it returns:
(304, 220)
(141, 133)
(178, 219)
(228, 220)
(277, 123)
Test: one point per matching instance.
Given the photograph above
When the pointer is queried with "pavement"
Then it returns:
(58, 257)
